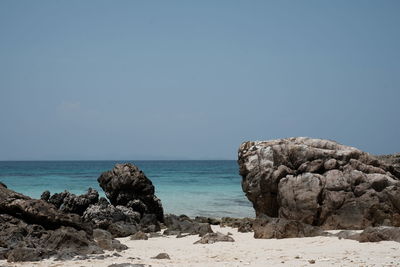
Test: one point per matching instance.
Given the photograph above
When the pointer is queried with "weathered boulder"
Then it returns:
(319, 182)
(128, 186)
(266, 227)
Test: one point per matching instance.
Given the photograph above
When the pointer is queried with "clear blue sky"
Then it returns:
(194, 79)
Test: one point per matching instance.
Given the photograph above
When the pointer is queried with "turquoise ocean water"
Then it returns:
(195, 188)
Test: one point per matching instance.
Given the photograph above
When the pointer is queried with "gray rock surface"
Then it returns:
(319, 182)
(266, 227)
(119, 221)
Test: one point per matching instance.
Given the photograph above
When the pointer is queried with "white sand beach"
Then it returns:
(245, 251)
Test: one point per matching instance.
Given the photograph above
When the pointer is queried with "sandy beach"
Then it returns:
(245, 251)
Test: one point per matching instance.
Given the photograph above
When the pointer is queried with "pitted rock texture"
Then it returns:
(128, 186)
(319, 182)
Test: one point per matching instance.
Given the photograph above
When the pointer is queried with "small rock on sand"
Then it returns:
(162, 256)
(211, 238)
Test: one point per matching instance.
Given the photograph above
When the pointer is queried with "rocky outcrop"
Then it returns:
(32, 229)
(319, 182)
(133, 204)
(62, 224)
(34, 211)
(126, 185)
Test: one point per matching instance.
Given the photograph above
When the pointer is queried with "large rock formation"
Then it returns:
(62, 224)
(32, 229)
(128, 186)
(320, 182)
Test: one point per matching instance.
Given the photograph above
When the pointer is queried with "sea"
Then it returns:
(194, 188)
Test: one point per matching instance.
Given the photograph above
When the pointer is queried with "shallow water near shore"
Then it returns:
(195, 188)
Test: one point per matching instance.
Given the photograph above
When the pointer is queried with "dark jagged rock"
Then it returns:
(31, 242)
(149, 223)
(57, 199)
(211, 238)
(32, 229)
(78, 204)
(319, 182)
(183, 224)
(128, 186)
(69, 241)
(71, 203)
(34, 211)
(122, 229)
(45, 195)
(266, 227)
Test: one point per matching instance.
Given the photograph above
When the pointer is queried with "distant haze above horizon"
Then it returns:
(98, 80)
